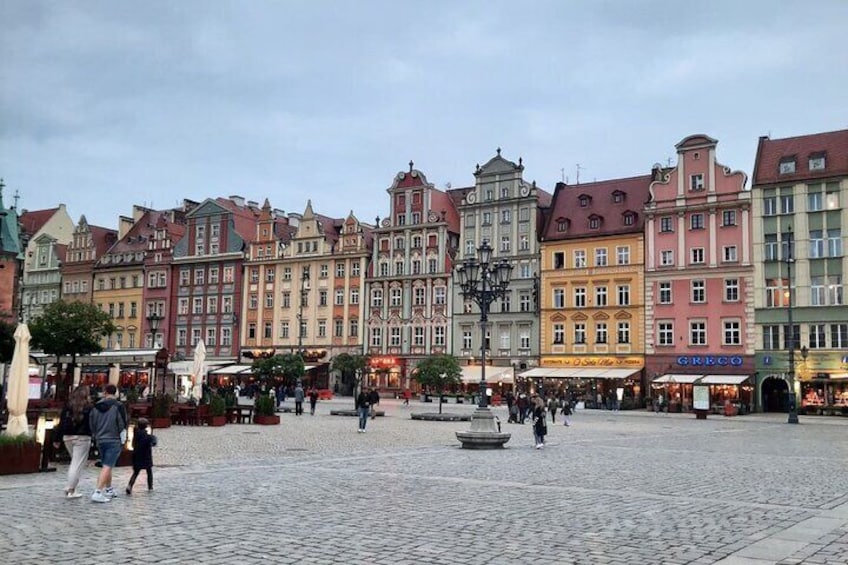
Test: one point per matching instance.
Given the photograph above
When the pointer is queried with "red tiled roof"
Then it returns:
(442, 202)
(103, 239)
(566, 205)
(833, 144)
(32, 221)
(245, 218)
(61, 251)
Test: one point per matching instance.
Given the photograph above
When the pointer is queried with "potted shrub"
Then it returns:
(264, 411)
(161, 416)
(217, 411)
(19, 454)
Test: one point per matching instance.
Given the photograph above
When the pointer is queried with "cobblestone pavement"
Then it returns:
(623, 488)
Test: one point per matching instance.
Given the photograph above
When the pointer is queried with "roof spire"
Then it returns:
(499, 151)
(410, 165)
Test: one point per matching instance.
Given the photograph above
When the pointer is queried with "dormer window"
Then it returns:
(562, 224)
(584, 200)
(817, 162)
(629, 218)
(787, 165)
(594, 222)
(618, 197)
(696, 182)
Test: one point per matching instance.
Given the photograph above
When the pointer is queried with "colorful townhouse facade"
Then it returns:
(592, 340)
(44, 235)
(409, 281)
(207, 276)
(168, 228)
(800, 201)
(699, 280)
(505, 211)
(87, 245)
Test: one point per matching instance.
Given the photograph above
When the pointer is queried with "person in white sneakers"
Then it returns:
(75, 432)
(540, 421)
(108, 422)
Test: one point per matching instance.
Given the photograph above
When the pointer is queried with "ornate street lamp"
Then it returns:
(790, 394)
(483, 281)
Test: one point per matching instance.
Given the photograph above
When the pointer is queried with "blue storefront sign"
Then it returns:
(709, 361)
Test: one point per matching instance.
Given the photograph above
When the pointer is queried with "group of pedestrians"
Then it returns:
(103, 424)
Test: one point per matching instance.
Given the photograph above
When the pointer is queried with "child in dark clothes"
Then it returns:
(142, 457)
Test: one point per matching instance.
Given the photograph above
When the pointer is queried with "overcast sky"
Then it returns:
(108, 104)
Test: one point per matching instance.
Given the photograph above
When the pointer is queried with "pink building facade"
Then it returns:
(699, 288)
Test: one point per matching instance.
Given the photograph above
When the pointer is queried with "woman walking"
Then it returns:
(75, 433)
(142, 457)
(540, 424)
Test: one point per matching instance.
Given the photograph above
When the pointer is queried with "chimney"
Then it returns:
(124, 226)
(237, 200)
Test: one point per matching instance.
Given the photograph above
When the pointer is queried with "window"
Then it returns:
(524, 301)
(787, 203)
(286, 300)
(816, 162)
(353, 327)
(466, 339)
(251, 330)
(439, 336)
(696, 182)
(834, 243)
(666, 258)
(195, 336)
(287, 273)
(697, 333)
(524, 214)
(559, 298)
(523, 338)
(184, 277)
(354, 270)
(832, 197)
(601, 257)
(322, 298)
(580, 333)
(594, 222)
(253, 302)
(699, 291)
(696, 255)
(601, 332)
(770, 206)
(732, 332)
(729, 254)
(622, 255)
(227, 305)
(505, 301)
(487, 218)
(559, 334)
(354, 296)
(629, 219)
(771, 337)
(562, 225)
(211, 304)
(197, 305)
(839, 336)
(665, 292)
(696, 221)
(786, 166)
(728, 218)
(731, 290)
(181, 337)
(226, 337)
(506, 216)
(398, 267)
(523, 242)
(771, 247)
(795, 336)
(269, 274)
(229, 276)
(624, 332)
(254, 276)
(395, 297)
(580, 297)
(418, 294)
(815, 202)
(418, 336)
(338, 327)
(834, 290)
(623, 292)
(666, 224)
(817, 291)
(322, 328)
(120, 309)
(384, 269)
(182, 306)
(618, 197)
(579, 258)
(584, 201)
(817, 336)
(505, 244)
(377, 297)
(269, 300)
(559, 260)
(398, 243)
(600, 296)
(816, 244)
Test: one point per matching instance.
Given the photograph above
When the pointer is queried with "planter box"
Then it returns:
(23, 458)
(160, 422)
(266, 420)
(216, 421)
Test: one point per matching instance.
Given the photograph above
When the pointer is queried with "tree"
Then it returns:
(289, 366)
(438, 372)
(70, 329)
(352, 368)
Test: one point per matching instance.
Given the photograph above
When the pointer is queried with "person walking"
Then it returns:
(108, 421)
(313, 400)
(142, 457)
(374, 400)
(540, 424)
(565, 410)
(522, 407)
(363, 403)
(298, 399)
(75, 432)
(552, 408)
(407, 396)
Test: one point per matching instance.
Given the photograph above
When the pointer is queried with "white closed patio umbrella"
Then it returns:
(198, 370)
(114, 374)
(18, 395)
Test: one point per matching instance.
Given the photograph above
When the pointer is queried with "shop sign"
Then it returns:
(383, 361)
(594, 361)
(710, 361)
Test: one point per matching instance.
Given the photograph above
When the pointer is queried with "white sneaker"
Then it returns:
(110, 492)
(73, 494)
(98, 496)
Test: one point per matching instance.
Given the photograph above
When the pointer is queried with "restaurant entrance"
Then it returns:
(774, 391)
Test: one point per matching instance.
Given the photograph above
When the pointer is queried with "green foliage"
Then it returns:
(7, 340)
(230, 399)
(70, 328)
(437, 373)
(290, 367)
(132, 395)
(22, 439)
(264, 405)
(162, 406)
(217, 405)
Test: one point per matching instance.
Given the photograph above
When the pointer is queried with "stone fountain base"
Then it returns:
(484, 432)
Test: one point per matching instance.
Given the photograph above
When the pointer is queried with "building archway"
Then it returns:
(773, 394)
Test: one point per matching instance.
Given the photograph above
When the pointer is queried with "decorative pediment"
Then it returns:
(207, 208)
(498, 165)
(623, 315)
(558, 317)
(579, 317)
(600, 316)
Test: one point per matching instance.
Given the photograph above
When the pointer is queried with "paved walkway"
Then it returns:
(624, 488)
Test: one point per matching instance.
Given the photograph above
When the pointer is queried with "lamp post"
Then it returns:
(304, 291)
(790, 394)
(483, 281)
(153, 322)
